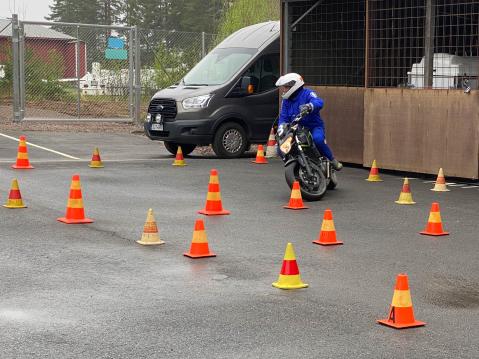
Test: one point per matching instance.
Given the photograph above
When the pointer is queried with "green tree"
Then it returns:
(172, 64)
(242, 13)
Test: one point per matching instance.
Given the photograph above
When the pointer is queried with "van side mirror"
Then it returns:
(245, 86)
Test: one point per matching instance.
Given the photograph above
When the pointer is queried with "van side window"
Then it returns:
(254, 72)
(264, 73)
(269, 72)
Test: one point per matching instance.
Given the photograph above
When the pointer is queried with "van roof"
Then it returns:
(254, 36)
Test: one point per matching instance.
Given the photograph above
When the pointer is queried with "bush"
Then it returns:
(6, 83)
(42, 77)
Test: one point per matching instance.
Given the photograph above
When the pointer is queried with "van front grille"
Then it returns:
(163, 106)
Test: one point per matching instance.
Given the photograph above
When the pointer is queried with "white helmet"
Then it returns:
(292, 79)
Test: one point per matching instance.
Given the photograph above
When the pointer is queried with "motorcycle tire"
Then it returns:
(291, 174)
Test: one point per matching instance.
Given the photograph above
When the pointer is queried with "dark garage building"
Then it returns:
(399, 78)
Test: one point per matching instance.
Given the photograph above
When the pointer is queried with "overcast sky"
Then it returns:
(35, 10)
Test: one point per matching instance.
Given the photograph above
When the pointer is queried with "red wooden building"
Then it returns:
(42, 42)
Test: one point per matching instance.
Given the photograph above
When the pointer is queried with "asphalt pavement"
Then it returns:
(90, 291)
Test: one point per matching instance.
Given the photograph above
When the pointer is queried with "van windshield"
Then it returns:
(218, 66)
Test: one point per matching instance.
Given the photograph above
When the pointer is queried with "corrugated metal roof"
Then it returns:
(36, 31)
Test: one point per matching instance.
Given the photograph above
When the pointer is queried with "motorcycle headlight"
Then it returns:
(286, 145)
(197, 102)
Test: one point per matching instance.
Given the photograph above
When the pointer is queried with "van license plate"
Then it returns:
(157, 126)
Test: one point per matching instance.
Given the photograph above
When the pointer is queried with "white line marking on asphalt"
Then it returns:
(105, 161)
(429, 182)
(41, 147)
(455, 184)
(470, 186)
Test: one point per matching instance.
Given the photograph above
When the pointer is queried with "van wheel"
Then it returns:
(230, 140)
(172, 147)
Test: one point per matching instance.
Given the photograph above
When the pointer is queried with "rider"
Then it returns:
(297, 99)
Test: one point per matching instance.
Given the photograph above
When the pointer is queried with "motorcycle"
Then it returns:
(303, 161)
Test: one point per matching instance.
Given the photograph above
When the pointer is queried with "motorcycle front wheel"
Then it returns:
(311, 190)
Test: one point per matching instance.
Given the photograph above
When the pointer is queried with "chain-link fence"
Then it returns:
(166, 56)
(384, 43)
(80, 71)
(405, 36)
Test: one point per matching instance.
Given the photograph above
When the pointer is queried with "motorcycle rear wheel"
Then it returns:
(294, 172)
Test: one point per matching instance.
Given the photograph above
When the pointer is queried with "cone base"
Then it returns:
(302, 207)
(374, 180)
(30, 167)
(150, 243)
(191, 255)
(426, 233)
(260, 162)
(179, 164)
(440, 190)
(404, 202)
(327, 243)
(9, 206)
(388, 323)
(95, 166)
(289, 286)
(214, 213)
(75, 221)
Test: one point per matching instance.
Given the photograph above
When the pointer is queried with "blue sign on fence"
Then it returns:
(115, 50)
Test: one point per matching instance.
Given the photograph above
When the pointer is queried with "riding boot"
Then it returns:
(337, 165)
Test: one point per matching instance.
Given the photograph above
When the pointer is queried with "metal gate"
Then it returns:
(75, 71)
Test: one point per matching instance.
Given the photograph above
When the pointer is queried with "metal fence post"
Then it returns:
(203, 47)
(21, 68)
(429, 43)
(137, 78)
(286, 32)
(77, 62)
(16, 69)
(130, 74)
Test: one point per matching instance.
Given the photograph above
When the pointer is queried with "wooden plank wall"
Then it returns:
(343, 114)
(422, 130)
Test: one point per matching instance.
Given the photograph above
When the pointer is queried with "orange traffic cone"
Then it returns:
(271, 145)
(214, 206)
(199, 244)
(179, 160)
(374, 174)
(295, 201)
(75, 212)
(289, 277)
(401, 314)
(434, 223)
(150, 236)
(22, 156)
(260, 159)
(440, 185)
(14, 197)
(96, 160)
(327, 235)
(405, 196)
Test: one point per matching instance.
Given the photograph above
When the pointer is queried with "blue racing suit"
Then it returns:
(313, 121)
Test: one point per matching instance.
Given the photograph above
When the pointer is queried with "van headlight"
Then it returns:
(148, 117)
(197, 102)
